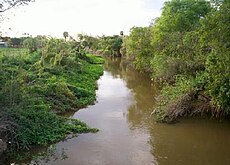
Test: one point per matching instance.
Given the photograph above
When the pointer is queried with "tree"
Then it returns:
(33, 44)
(8, 4)
(138, 45)
(175, 39)
(179, 17)
(16, 42)
(65, 35)
(182, 15)
(215, 35)
(116, 42)
(109, 45)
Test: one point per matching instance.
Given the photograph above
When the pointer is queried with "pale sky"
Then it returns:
(93, 17)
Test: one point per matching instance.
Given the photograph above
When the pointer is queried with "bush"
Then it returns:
(174, 96)
(218, 79)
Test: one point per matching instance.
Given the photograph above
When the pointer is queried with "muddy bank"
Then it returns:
(193, 103)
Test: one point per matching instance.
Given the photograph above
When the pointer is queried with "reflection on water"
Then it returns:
(193, 141)
(129, 136)
(142, 89)
(51, 154)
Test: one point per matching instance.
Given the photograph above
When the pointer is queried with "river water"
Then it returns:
(128, 134)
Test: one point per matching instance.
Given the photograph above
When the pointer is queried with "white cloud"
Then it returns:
(96, 17)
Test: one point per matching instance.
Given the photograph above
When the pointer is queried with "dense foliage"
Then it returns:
(216, 36)
(188, 49)
(104, 45)
(138, 46)
(46, 78)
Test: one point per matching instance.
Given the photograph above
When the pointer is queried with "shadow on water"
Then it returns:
(128, 134)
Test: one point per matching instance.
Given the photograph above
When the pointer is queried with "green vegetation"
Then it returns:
(187, 49)
(46, 78)
(138, 46)
(105, 45)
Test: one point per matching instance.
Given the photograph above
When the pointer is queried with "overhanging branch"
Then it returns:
(9, 4)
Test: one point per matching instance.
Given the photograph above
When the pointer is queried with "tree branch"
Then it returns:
(9, 4)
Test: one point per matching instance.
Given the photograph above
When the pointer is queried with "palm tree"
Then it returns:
(65, 34)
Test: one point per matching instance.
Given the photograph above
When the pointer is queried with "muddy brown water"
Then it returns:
(128, 134)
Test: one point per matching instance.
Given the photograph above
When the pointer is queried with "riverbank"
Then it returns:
(129, 135)
(182, 51)
(181, 96)
(35, 91)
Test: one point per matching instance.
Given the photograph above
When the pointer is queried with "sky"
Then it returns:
(92, 17)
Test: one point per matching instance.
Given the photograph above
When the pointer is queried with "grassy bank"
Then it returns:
(35, 90)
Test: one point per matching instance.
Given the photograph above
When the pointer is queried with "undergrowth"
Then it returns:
(171, 94)
(33, 94)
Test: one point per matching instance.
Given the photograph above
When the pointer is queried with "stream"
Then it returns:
(128, 133)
